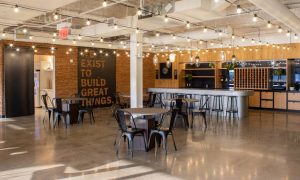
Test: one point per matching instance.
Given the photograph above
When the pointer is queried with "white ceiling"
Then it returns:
(36, 15)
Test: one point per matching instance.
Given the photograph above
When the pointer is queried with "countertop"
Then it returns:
(225, 92)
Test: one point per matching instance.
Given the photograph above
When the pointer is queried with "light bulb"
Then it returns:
(137, 30)
(269, 24)
(93, 44)
(288, 33)
(54, 34)
(109, 45)
(53, 39)
(254, 19)
(216, 1)
(3, 34)
(79, 37)
(11, 45)
(104, 4)
(166, 18)
(55, 16)
(139, 12)
(173, 37)
(243, 39)
(157, 34)
(115, 26)
(239, 9)
(205, 29)
(232, 36)
(101, 39)
(88, 22)
(33, 47)
(24, 30)
(252, 41)
(30, 37)
(295, 36)
(188, 39)
(16, 9)
(74, 42)
(188, 25)
(279, 29)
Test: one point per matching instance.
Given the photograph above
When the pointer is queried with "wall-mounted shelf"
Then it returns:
(199, 69)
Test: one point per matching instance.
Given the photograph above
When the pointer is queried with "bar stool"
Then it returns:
(218, 105)
(232, 107)
(205, 102)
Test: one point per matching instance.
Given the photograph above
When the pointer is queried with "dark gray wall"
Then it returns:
(19, 81)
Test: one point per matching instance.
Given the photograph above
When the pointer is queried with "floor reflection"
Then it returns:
(263, 146)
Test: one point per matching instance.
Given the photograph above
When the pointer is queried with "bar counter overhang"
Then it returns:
(242, 95)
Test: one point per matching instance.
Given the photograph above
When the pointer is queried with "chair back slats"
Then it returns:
(58, 104)
(44, 100)
(205, 103)
(172, 122)
(120, 116)
(151, 99)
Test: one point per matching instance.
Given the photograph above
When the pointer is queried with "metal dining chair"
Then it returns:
(182, 110)
(59, 113)
(50, 110)
(128, 132)
(201, 112)
(162, 132)
(89, 109)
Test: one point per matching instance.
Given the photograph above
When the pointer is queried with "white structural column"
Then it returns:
(136, 70)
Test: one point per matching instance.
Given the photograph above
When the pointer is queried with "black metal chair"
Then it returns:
(161, 132)
(201, 112)
(50, 110)
(182, 110)
(127, 131)
(89, 109)
(118, 104)
(60, 113)
(151, 100)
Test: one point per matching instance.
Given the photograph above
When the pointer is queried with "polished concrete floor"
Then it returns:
(264, 146)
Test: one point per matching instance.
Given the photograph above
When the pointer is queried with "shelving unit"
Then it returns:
(252, 78)
(203, 76)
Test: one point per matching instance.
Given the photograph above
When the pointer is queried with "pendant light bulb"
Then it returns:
(279, 29)
(166, 19)
(205, 29)
(104, 4)
(139, 12)
(239, 9)
(269, 24)
(88, 22)
(16, 9)
(188, 25)
(254, 19)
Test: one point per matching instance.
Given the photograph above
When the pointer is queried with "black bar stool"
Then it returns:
(232, 107)
(205, 102)
(218, 105)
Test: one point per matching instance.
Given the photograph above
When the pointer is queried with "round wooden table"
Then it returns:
(145, 111)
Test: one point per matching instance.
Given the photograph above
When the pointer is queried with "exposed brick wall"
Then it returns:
(66, 73)
(123, 72)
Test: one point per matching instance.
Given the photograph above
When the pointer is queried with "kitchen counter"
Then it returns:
(241, 94)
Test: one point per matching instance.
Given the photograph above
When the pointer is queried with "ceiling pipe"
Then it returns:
(280, 12)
